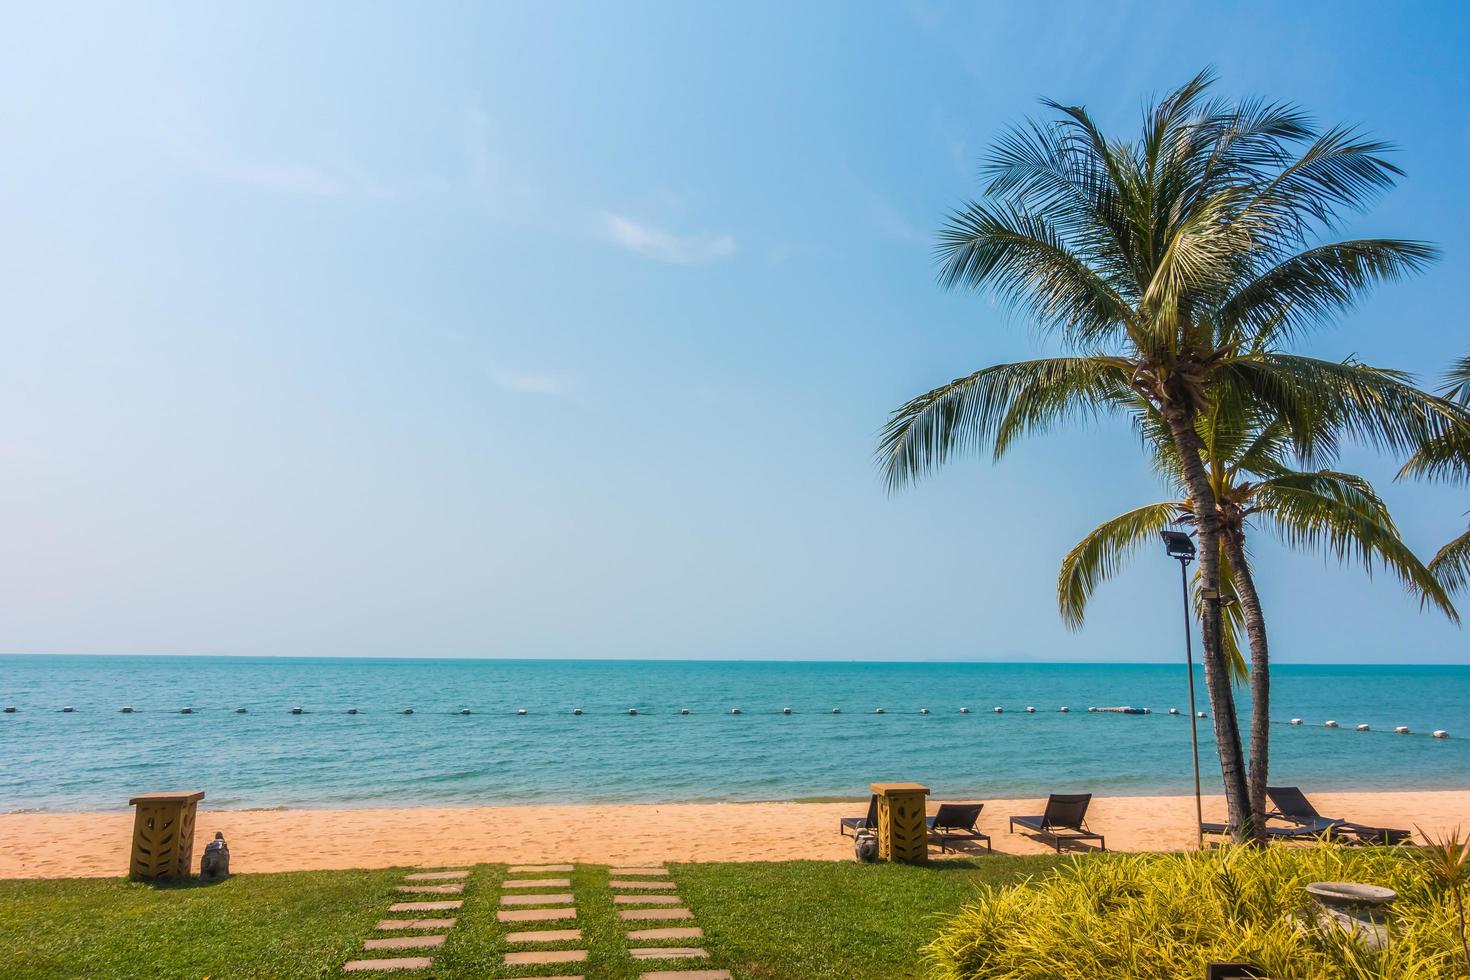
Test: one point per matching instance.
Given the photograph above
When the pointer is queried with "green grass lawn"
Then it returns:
(807, 919)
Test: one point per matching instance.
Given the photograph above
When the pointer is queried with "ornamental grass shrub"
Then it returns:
(1166, 916)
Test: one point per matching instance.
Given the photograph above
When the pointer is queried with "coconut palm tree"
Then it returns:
(1174, 265)
(1449, 457)
(1256, 485)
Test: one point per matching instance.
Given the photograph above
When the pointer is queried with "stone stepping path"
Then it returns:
(438, 927)
(535, 915)
(647, 900)
(516, 892)
(545, 936)
(557, 898)
(651, 887)
(431, 889)
(632, 915)
(394, 924)
(396, 963)
(405, 942)
(438, 876)
(668, 953)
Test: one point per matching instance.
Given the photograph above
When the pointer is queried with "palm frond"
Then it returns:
(1341, 516)
(1452, 565)
(1102, 553)
(991, 407)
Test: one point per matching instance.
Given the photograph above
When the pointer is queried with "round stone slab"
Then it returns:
(544, 936)
(560, 898)
(537, 883)
(1350, 893)
(638, 885)
(647, 900)
(678, 932)
(539, 956)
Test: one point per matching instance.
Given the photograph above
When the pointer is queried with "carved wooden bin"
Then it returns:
(163, 835)
(903, 834)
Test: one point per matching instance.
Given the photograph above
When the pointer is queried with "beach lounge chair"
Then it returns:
(857, 824)
(956, 822)
(1292, 804)
(1225, 830)
(1064, 819)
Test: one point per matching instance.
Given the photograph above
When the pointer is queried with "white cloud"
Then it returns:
(662, 244)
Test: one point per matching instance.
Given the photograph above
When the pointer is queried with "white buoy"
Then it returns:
(964, 711)
(1148, 711)
(683, 711)
(997, 709)
(67, 709)
(521, 712)
(786, 711)
(923, 711)
(1031, 709)
(837, 711)
(1296, 721)
(186, 711)
(408, 711)
(1402, 730)
(1173, 711)
(126, 709)
(1064, 709)
(1441, 733)
(350, 711)
(1329, 723)
(296, 711)
(576, 711)
(734, 711)
(1361, 728)
(877, 711)
(632, 711)
(1199, 714)
(1091, 710)
(464, 711)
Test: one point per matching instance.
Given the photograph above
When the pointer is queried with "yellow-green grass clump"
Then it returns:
(1167, 916)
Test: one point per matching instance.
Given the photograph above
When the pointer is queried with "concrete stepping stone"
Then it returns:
(537, 957)
(535, 915)
(387, 924)
(537, 883)
(679, 932)
(557, 898)
(638, 872)
(669, 953)
(437, 876)
(405, 942)
(544, 936)
(400, 963)
(645, 885)
(686, 975)
(424, 906)
(533, 869)
(647, 900)
(430, 889)
(631, 914)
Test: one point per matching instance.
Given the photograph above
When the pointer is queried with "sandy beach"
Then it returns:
(46, 845)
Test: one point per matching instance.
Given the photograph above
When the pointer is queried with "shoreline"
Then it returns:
(95, 844)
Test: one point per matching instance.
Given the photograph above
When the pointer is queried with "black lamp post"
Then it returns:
(1180, 547)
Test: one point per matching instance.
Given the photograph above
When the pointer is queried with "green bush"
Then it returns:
(1167, 915)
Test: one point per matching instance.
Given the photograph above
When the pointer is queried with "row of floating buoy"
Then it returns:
(128, 709)
(1398, 729)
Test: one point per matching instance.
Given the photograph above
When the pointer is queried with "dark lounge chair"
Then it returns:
(1064, 819)
(1292, 804)
(1224, 830)
(857, 824)
(956, 822)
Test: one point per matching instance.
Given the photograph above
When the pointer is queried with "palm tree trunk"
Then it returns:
(1217, 675)
(1255, 628)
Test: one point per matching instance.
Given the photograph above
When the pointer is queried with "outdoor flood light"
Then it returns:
(1178, 545)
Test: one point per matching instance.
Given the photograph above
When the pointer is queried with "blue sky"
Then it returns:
(567, 330)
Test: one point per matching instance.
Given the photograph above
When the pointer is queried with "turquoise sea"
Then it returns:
(95, 756)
